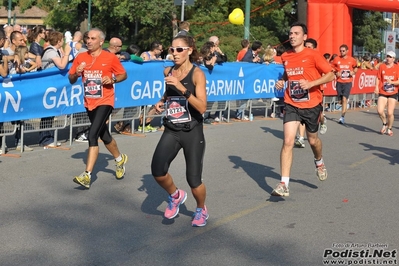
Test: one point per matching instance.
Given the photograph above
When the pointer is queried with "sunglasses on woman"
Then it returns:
(178, 49)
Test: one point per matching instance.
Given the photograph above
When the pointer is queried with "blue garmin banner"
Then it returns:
(48, 93)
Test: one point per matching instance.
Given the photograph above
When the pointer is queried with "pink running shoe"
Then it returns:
(173, 205)
(200, 217)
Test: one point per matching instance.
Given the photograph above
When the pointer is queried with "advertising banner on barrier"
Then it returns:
(48, 93)
(363, 82)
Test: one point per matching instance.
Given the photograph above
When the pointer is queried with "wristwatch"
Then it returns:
(114, 79)
(187, 94)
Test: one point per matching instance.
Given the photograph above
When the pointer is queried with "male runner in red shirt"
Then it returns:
(345, 68)
(305, 70)
(99, 70)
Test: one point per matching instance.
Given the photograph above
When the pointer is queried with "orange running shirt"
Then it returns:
(346, 65)
(105, 64)
(385, 73)
(310, 65)
(277, 59)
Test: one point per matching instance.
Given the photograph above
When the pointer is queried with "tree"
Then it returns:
(142, 22)
(368, 29)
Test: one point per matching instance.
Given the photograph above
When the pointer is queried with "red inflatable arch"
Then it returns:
(330, 21)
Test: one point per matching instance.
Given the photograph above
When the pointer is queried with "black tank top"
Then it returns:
(188, 83)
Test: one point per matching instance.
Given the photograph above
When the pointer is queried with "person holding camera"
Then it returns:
(208, 55)
(220, 56)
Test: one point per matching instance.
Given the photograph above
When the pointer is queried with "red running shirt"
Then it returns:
(105, 64)
(310, 65)
(346, 66)
(385, 73)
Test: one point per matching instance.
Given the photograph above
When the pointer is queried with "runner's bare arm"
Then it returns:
(280, 83)
(377, 84)
(199, 100)
(115, 79)
(78, 72)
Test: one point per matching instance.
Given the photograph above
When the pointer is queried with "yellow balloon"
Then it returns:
(237, 17)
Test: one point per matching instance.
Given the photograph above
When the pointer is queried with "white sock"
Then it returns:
(286, 180)
(319, 162)
(119, 158)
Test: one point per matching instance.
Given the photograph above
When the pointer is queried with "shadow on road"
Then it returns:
(100, 166)
(155, 197)
(391, 155)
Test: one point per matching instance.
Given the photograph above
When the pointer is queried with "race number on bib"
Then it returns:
(345, 74)
(389, 87)
(297, 93)
(177, 109)
(93, 88)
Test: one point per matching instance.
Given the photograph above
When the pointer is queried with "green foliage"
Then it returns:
(142, 21)
(368, 28)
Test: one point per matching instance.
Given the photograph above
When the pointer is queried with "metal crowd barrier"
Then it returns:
(363, 98)
(43, 124)
(6, 129)
(79, 120)
(82, 121)
(126, 114)
(331, 100)
(262, 104)
(220, 107)
(211, 107)
(237, 105)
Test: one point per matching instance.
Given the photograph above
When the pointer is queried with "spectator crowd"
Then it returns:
(25, 49)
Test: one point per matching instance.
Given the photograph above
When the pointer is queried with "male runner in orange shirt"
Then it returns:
(300, 141)
(305, 70)
(345, 68)
(99, 71)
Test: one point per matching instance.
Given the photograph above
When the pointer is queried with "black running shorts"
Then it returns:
(394, 96)
(308, 116)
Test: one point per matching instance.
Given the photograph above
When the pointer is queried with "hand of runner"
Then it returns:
(159, 106)
(305, 85)
(106, 80)
(279, 84)
(171, 80)
(80, 68)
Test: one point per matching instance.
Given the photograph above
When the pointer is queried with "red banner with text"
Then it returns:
(363, 82)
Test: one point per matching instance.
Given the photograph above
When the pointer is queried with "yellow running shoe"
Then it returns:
(120, 167)
(83, 179)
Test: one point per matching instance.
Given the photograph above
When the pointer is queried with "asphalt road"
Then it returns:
(46, 219)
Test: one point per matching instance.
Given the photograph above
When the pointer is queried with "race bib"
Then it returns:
(345, 74)
(177, 109)
(297, 93)
(93, 88)
(389, 87)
